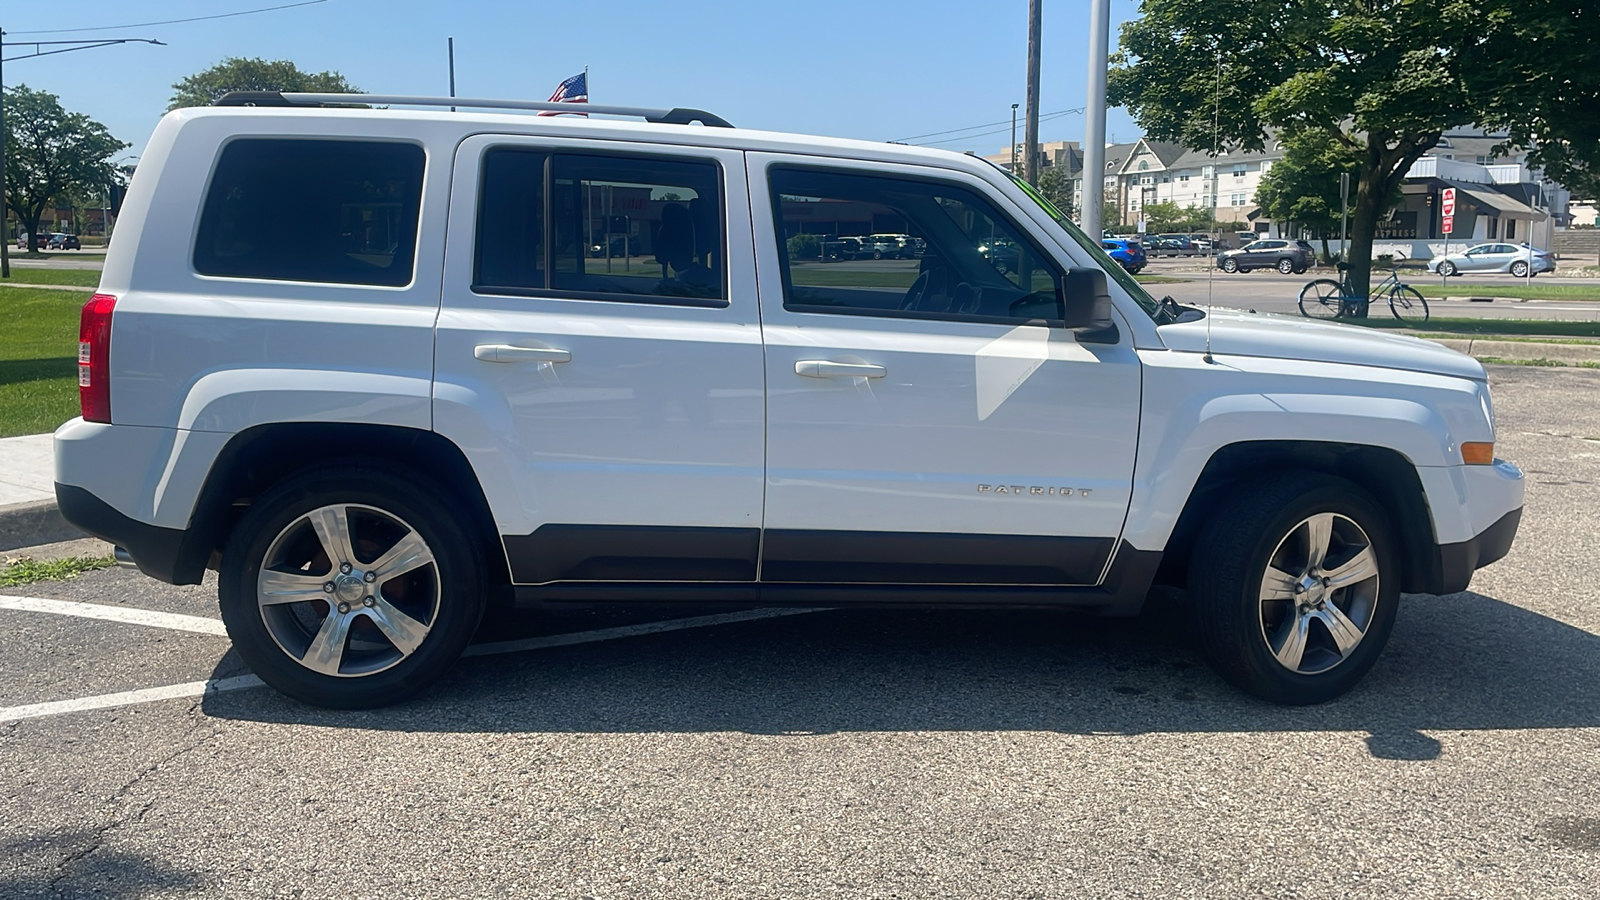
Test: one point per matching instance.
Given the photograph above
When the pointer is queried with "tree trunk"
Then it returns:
(1327, 255)
(1370, 197)
(33, 231)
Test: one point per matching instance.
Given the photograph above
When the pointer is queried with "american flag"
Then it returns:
(573, 90)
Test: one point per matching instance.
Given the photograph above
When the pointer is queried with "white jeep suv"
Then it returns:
(358, 361)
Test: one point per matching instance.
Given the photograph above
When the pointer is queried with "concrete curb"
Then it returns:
(32, 524)
(1523, 351)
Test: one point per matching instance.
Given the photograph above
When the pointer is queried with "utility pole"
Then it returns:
(1030, 163)
(1013, 138)
(38, 50)
(1094, 118)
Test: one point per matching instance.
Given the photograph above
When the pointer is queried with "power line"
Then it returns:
(914, 137)
(246, 12)
(968, 137)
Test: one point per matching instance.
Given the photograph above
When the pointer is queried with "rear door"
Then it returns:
(926, 423)
(612, 407)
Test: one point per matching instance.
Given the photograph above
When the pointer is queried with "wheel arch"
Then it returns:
(256, 458)
(1382, 472)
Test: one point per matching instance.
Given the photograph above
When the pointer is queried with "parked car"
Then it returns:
(1004, 255)
(1286, 256)
(40, 241)
(844, 248)
(1512, 258)
(1127, 252)
(63, 242)
(620, 245)
(1202, 243)
(374, 433)
(1180, 245)
(892, 246)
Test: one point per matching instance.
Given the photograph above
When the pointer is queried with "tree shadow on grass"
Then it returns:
(1465, 661)
(16, 371)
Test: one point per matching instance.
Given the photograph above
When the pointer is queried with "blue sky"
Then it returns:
(879, 70)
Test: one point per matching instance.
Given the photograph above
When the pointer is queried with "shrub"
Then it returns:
(804, 246)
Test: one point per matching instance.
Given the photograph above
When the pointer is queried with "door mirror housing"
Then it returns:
(1086, 305)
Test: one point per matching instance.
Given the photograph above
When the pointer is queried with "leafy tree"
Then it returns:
(240, 74)
(1303, 187)
(1382, 78)
(52, 154)
(1163, 215)
(1056, 186)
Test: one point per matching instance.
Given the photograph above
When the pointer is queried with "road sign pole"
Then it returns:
(1447, 221)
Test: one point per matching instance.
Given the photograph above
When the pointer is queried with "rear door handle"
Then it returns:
(506, 353)
(822, 368)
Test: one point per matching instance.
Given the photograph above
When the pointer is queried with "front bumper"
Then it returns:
(1453, 564)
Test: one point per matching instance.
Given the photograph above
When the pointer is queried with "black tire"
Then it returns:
(1519, 269)
(1226, 585)
(1447, 268)
(1299, 270)
(877, 254)
(1231, 265)
(1322, 299)
(1408, 305)
(378, 499)
(1244, 270)
(1285, 266)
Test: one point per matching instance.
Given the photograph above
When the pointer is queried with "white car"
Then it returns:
(357, 360)
(1510, 258)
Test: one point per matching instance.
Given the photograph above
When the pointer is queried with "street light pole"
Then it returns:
(1094, 118)
(1013, 138)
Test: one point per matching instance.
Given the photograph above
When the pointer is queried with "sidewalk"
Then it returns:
(28, 514)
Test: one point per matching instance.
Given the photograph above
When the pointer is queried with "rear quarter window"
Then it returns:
(332, 211)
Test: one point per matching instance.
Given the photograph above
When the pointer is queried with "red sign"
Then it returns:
(1447, 203)
(1449, 224)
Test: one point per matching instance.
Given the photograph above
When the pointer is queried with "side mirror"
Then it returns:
(1086, 305)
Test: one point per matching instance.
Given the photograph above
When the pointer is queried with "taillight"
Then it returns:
(94, 358)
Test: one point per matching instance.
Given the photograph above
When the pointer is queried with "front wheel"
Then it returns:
(1408, 305)
(350, 586)
(1295, 586)
(1322, 299)
(1447, 268)
(1230, 265)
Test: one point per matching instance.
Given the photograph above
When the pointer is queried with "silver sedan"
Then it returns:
(1494, 258)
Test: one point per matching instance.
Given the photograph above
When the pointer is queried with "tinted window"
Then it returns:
(637, 227)
(307, 210)
(510, 251)
(969, 264)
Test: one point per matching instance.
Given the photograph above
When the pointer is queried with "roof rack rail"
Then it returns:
(677, 116)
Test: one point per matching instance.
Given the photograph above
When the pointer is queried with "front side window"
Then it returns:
(966, 263)
(600, 227)
(340, 212)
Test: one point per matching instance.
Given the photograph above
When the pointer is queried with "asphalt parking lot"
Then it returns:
(851, 754)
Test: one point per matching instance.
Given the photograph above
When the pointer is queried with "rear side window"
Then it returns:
(342, 212)
(601, 227)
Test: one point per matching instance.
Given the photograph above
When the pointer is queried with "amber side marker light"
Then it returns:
(1477, 453)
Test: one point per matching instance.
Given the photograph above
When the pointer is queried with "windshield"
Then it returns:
(1135, 290)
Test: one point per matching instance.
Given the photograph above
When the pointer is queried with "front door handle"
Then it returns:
(822, 368)
(505, 353)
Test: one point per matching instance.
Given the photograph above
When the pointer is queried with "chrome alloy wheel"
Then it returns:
(348, 590)
(1318, 594)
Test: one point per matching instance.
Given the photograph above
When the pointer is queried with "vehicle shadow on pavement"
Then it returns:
(1466, 661)
(56, 864)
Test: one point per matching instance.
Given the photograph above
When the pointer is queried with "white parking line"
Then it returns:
(125, 614)
(241, 682)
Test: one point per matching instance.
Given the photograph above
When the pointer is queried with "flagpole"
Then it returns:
(586, 81)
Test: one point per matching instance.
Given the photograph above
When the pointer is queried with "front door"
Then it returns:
(925, 422)
(599, 358)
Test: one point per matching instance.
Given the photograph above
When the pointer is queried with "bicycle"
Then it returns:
(1329, 299)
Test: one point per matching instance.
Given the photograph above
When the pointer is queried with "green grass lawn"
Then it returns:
(1159, 279)
(38, 359)
(79, 277)
(1521, 291)
(1437, 327)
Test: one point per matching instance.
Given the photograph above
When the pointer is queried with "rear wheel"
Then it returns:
(1322, 299)
(1295, 587)
(1519, 269)
(1286, 266)
(1408, 305)
(350, 586)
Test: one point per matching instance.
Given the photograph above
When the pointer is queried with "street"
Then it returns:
(828, 753)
